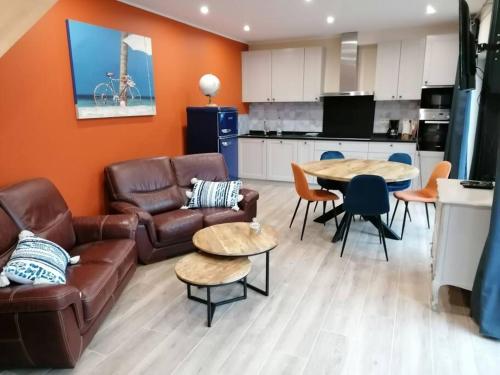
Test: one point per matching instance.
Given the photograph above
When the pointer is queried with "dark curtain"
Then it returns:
(485, 301)
(456, 142)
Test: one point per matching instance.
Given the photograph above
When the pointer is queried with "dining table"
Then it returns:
(346, 169)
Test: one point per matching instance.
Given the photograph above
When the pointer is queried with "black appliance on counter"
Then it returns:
(434, 118)
(393, 131)
(348, 116)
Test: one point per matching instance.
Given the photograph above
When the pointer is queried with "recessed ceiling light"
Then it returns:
(246, 28)
(308, 1)
(330, 19)
(204, 9)
(430, 9)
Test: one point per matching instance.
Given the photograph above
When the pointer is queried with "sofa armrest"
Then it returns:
(33, 298)
(145, 218)
(104, 227)
(249, 198)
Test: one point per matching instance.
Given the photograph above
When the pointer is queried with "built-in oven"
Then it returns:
(433, 129)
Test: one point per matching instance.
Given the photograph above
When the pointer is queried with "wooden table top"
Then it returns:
(208, 270)
(346, 169)
(235, 239)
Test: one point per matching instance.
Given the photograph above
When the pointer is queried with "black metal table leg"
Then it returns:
(264, 292)
(330, 214)
(339, 233)
(209, 308)
(388, 232)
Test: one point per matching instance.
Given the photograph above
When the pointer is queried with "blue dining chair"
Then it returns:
(330, 184)
(366, 195)
(392, 187)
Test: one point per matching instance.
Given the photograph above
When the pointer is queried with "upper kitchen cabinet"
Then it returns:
(411, 68)
(387, 70)
(399, 70)
(287, 75)
(256, 75)
(441, 56)
(283, 75)
(313, 73)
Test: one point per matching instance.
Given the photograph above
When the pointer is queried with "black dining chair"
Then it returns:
(366, 195)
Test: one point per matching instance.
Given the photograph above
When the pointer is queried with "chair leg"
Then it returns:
(316, 205)
(336, 220)
(427, 214)
(409, 216)
(404, 220)
(305, 220)
(387, 218)
(295, 212)
(394, 213)
(348, 226)
(381, 233)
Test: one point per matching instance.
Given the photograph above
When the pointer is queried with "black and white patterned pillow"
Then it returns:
(215, 194)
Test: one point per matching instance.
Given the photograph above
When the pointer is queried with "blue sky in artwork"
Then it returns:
(95, 51)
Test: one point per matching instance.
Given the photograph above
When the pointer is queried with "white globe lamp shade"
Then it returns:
(209, 86)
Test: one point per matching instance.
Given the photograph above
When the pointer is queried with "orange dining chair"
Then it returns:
(310, 195)
(426, 195)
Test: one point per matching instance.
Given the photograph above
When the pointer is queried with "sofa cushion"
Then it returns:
(208, 167)
(37, 260)
(38, 206)
(177, 226)
(96, 282)
(215, 194)
(212, 216)
(147, 183)
(8, 237)
(120, 254)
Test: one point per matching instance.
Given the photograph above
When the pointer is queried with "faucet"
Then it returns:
(265, 128)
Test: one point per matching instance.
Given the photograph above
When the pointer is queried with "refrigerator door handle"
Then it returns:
(225, 131)
(225, 144)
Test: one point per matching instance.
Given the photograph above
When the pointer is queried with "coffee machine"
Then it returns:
(393, 131)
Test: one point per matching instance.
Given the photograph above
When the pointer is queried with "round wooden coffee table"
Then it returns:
(238, 240)
(210, 271)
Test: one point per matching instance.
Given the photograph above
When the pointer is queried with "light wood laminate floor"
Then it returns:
(325, 315)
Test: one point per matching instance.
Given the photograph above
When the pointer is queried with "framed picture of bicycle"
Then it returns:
(112, 72)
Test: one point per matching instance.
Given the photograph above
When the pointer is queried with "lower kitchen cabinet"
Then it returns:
(252, 158)
(280, 153)
(269, 159)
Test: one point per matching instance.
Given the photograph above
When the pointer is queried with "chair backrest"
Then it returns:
(328, 155)
(301, 184)
(148, 183)
(37, 205)
(441, 170)
(208, 167)
(400, 157)
(367, 195)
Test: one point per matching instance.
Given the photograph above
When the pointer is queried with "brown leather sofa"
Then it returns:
(50, 325)
(154, 189)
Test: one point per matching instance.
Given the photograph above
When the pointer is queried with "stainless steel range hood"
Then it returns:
(348, 84)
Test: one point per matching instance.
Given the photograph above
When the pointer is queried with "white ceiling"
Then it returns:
(298, 19)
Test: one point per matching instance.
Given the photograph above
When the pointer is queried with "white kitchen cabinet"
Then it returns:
(441, 57)
(426, 161)
(350, 149)
(280, 154)
(252, 158)
(411, 68)
(305, 153)
(399, 70)
(387, 70)
(287, 75)
(256, 76)
(313, 74)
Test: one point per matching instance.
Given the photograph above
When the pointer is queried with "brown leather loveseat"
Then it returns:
(50, 325)
(154, 189)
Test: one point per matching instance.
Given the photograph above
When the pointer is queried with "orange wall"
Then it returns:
(39, 133)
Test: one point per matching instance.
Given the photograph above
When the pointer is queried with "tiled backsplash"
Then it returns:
(307, 117)
(394, 110)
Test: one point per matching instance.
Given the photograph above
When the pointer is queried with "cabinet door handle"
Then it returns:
(340, 143)
(281, 142)
(393, 96)
(267, 99)
(426, 82)
(391, 145)
(273, 99)
(262, 141)
(400, 96)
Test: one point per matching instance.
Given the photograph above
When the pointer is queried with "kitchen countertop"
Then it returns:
(377, 137)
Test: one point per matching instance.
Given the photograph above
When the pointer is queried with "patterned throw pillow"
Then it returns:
(37, 261)
(215, 194)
